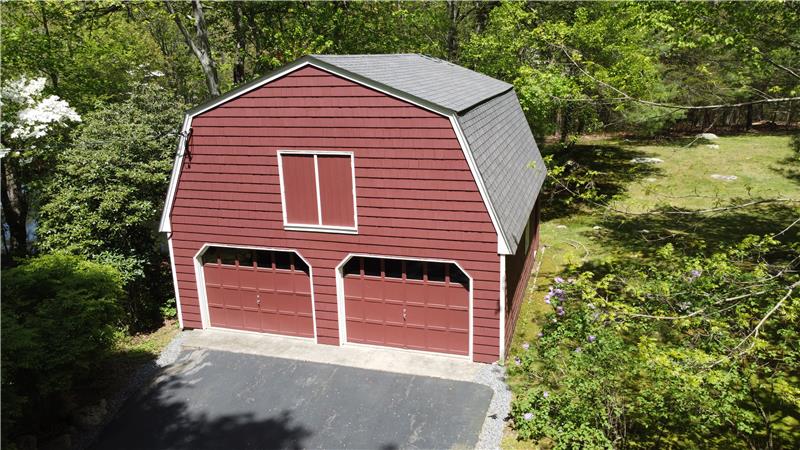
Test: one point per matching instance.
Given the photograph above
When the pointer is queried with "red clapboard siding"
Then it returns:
(518, 273)
(415, 195)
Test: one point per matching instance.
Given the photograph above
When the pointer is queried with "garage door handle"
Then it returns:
(258, 300)
(404, 314)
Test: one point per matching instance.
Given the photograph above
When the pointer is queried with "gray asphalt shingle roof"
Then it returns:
(508, 159)
(434, 80)
(501, 142)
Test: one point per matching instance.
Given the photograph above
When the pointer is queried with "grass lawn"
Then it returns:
(574, 236)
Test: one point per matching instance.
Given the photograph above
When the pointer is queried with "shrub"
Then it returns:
(108, 193)
(59, 315)
(687, 352)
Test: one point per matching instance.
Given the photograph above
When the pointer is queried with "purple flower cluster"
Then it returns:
(694, 274)
(558, 294)
(545, 394)
(528, 416)
(517, 361)
(526, 346)
(591, 338)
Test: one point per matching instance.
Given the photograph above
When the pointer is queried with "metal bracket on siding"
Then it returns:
(185, 135)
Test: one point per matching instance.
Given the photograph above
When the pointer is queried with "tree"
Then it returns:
(84, 49)
(32, 124)
(199, 44)
(108, 193)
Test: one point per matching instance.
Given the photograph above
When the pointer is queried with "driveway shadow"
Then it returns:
(211, 399)
(159, 419)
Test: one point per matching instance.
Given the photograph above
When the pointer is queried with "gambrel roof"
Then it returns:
(437, 81)
(485, 113)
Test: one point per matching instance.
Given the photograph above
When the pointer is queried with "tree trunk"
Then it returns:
(201, 48)
(482, 14)
(452, 29)
(15, 208)
(238, 25)
(564, 125)
(557, 133)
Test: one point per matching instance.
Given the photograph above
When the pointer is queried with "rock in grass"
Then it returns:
(647, 160)
(717, 176)
(712, 146)
(708, 136)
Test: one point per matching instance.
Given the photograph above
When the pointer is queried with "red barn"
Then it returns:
(385, 200)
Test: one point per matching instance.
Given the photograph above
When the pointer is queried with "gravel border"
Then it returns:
(137, 381)
(494, 376)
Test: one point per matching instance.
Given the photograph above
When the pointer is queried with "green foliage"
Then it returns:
(540, 47)
(670, 353)
(85, 49)
(59, 316)
(107, 195)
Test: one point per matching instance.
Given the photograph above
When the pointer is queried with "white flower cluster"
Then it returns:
(37, 114)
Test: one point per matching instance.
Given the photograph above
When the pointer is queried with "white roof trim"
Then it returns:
(166, 226)
(502, 244)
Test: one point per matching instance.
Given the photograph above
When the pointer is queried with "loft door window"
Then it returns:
(318, 191)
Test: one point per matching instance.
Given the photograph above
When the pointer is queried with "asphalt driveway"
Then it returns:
(215, 399)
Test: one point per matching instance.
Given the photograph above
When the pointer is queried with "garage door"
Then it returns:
(408, 304)
(258, 290)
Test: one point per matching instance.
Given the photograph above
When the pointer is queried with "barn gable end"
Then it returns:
(416, 194)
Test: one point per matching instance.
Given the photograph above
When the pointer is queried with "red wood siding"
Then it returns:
(415, 195)
(518, 274)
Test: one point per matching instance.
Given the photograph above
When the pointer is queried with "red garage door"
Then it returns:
(258, 290)
(408, 304)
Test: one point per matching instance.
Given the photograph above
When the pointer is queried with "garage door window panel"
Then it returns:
(318, 191)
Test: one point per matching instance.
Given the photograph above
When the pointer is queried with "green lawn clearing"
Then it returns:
(690, 176)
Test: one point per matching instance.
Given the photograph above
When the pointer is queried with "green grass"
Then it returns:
(574, 236)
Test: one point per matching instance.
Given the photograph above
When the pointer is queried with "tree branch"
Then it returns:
(625, 97)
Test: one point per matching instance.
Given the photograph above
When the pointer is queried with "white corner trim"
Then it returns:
(502, 244)
(341, 308)
(165, 225)
(175, 282)
(200, 279)
(502, 308)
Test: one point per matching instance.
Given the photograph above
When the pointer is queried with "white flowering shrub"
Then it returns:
(29, 115)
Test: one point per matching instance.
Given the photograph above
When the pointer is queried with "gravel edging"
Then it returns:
(494, 376)
(139, 378)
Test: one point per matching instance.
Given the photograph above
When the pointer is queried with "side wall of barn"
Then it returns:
(518, 273)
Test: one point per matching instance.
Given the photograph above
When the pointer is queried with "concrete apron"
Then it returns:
(373, 358)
